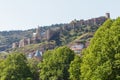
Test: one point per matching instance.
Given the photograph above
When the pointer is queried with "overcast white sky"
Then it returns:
(27, 14)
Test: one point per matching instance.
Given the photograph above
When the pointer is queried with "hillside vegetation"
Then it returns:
(61, 38)
(99, 61)
(63, 34)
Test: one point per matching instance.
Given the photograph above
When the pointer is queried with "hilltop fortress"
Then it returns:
(47, 35)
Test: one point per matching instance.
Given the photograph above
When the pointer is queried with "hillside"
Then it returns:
(62, 34)
(8, 37)
(61, 38)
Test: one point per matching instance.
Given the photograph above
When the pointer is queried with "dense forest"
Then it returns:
(99, 61)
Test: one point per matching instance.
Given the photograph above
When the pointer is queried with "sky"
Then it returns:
(27, 14)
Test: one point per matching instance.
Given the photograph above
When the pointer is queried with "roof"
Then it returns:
(38, 53)
(77, 47)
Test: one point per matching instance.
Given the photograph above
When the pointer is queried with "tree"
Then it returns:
(15, 68)
(56, 63)
(101, 60)
(1, 66)
(33, 64)
(75, 68)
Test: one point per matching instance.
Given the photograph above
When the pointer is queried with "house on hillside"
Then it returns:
(77, 48)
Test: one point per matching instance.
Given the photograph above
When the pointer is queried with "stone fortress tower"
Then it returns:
(107, 15)
(37, 34)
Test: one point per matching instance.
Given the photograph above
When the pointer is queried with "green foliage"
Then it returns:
(75, 68)
(33, 64)
(101, 60)
(56, 63)
(68, 36)
(14, 67)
